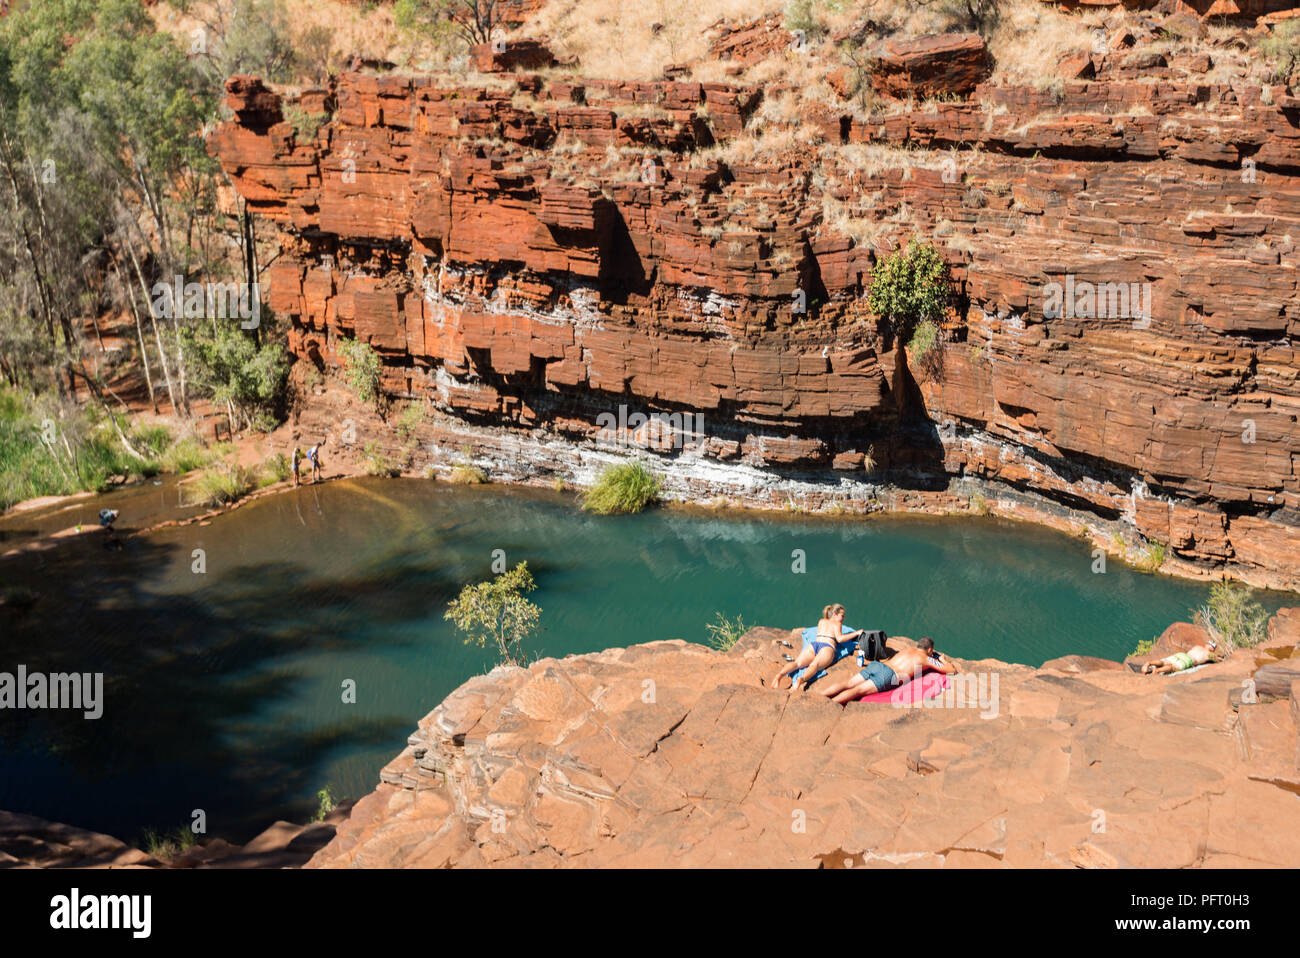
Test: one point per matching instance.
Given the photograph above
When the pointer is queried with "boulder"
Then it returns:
(509, 56)
(945, 64)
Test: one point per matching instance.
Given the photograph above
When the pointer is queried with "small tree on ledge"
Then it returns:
(496, 612)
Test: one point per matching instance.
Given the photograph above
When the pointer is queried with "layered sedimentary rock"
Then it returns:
(533, 252)
(671, 754)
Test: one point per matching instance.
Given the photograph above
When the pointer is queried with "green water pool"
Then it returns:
(224, 687)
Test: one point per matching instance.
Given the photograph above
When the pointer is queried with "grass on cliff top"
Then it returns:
(624, 488)
(724, 633)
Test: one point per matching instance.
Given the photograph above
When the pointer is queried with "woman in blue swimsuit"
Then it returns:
(819, 653)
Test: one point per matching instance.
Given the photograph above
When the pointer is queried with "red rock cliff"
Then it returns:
(531, 252)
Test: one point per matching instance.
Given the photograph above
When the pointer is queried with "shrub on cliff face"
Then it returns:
(925, 346)
(1282, 49)
(1232, 617)
(910, 287)
(363, 367)
(624, 488)
(497, 613)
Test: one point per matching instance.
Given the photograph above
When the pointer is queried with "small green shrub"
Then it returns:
(724, 634)
(185, 455)
(979, 505)
(224, 484)
(1152, 557)
(910, 286)
(496, 612)
(273, 469)
(325, 806)
(305, 123)
(1232, 617)
(152, 441)
(623, 488)
(466, 474)
(800, 18)
(377, 464)
(1282, 49)
(924, 343)
(165, 846)
(1143, 647)
(362, 370)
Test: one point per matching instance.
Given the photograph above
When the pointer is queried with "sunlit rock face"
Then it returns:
(530, 252)
(671, 754)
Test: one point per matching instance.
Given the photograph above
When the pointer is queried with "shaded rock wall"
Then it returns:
(532, 252)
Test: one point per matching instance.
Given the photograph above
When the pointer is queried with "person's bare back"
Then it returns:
(907, 663)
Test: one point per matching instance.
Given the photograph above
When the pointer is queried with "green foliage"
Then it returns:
(274, 469)
(249, 379)
(1233, 617)
(305, 125)
(325, 804)
(623, 488)
(83, 452)
(799, 16)
(496, 612)
(470, 21)
(185, 455)
(978, 504)
(377, 464)
(925, 339)
(362, 370)
(245, 36)
(724, 634)
(99, 151)
(468, 475)
(410, 420)
(167, 845)
(1143, 647)
(152, 441)
(910, 287)
(225, 483)
(1152, 557)
(1282, 49)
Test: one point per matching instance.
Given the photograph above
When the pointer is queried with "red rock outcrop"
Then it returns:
(534, 251)
(944, 64)
(670, 754)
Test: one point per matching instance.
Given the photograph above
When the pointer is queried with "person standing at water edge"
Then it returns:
(313, 454)
(295, 462)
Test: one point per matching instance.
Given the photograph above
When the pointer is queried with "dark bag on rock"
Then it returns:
(873, 645)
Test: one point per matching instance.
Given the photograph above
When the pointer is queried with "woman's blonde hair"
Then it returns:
(831, 610)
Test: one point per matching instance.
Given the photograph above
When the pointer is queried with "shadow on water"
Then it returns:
(187, 676)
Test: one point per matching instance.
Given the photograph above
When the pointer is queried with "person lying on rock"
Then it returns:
(1181, 661)
(903, 666)
(819, 653)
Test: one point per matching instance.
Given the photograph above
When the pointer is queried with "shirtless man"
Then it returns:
(1181, 661)
(890, 673)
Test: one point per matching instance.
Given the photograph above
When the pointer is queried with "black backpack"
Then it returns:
(872, 644)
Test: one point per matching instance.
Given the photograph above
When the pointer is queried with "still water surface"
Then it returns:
(223, 689)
